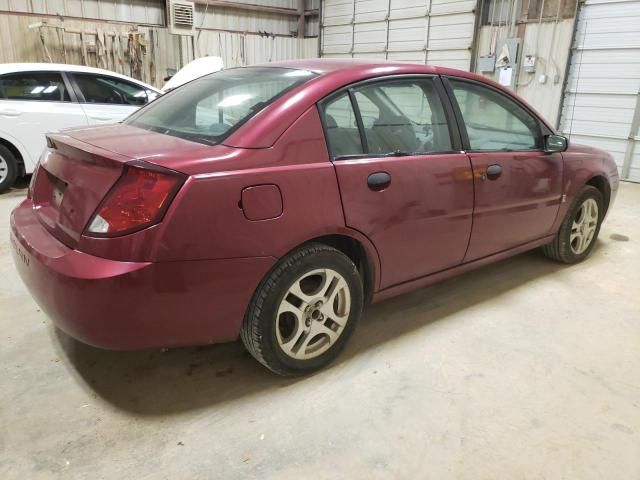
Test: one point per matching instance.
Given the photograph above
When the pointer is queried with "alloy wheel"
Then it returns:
(4, 169)
(313, 314)
(584, 226)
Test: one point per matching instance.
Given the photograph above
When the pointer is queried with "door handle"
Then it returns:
(101, 118)
(10, 112)
(494, 171)
(379, 181)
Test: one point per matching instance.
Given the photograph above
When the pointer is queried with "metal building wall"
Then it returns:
(551, 43)
(312, 26)
(239, 49)
(602, 101)
(151, 12)
(423, 31)
(239, 21)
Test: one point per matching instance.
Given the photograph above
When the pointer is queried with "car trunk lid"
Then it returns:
(81, 166)
(70, 183)
(138, 143)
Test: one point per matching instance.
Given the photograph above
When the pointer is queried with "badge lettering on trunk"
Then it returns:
(19, 252)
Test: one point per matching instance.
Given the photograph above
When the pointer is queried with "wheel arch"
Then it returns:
(16, 151)
(359, 249)
(602, 184)
(356, 251)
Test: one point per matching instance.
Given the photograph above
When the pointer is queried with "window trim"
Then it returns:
(82, 100)
(543, 128)
(67, 85)
(449, 113)
(364, 143)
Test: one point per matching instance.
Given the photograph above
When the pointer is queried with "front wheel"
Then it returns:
(304, 311)
(580, 228)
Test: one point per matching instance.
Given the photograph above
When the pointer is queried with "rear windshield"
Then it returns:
(208, 109)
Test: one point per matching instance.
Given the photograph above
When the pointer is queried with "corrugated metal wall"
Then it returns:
(239, 49)
(551, 43)
(602, 101)
(312, 26)
(150, 12)
(422, 31)
(240, 21)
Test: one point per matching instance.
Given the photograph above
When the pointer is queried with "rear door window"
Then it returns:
(403, 117)
(341, 127)
(37, 86)
(110, 90)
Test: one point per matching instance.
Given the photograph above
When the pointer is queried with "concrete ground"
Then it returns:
(525, 369)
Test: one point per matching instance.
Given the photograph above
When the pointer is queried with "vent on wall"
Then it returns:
(181, 17)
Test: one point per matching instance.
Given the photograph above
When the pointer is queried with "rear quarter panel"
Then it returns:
(207, 221)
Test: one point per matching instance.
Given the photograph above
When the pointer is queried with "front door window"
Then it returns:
(493, 121)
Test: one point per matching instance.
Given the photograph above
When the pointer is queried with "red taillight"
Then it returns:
(137, 200)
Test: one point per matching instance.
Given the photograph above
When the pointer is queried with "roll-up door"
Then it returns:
(437, 32)
(601, 105)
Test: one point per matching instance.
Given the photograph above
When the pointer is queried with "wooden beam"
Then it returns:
(257, 8)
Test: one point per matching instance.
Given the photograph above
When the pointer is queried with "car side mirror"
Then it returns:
(555, 143)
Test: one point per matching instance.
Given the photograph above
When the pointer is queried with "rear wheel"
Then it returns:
(580, 228)
(8, 168)
(304, 311)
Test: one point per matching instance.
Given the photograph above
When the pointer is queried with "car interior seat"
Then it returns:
(343, 141)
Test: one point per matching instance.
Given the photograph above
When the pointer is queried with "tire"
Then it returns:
(297, 333)
(566, 246)
(8, 169)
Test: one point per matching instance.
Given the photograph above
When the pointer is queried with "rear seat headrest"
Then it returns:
(330, 121)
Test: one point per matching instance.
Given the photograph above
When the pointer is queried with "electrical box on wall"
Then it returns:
(507, 61)
(487, 63)
(529, 63)
(181, 17)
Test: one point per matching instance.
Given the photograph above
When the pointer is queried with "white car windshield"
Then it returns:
(208, 109)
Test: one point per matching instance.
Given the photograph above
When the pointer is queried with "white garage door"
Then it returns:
(602, 102)
(438, 32)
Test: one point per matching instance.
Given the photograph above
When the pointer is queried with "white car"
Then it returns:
(36, 98)
(195, 69)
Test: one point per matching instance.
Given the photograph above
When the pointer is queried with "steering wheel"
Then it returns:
(117, 96)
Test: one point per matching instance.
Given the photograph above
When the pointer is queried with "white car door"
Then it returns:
(33, 103)
(107, 99)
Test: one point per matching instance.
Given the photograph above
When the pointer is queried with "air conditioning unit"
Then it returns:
(181, 17)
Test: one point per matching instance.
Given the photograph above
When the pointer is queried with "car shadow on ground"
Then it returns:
(151, 383)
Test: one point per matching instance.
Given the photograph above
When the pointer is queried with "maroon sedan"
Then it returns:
(274, 202)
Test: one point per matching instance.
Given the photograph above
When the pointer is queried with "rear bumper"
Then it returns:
(132, 305)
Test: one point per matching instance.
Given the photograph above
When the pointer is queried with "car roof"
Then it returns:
(47, 67)
(330, 65)
(360, 67)
(334, 74)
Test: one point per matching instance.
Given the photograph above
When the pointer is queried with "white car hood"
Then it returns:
(195, 69)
